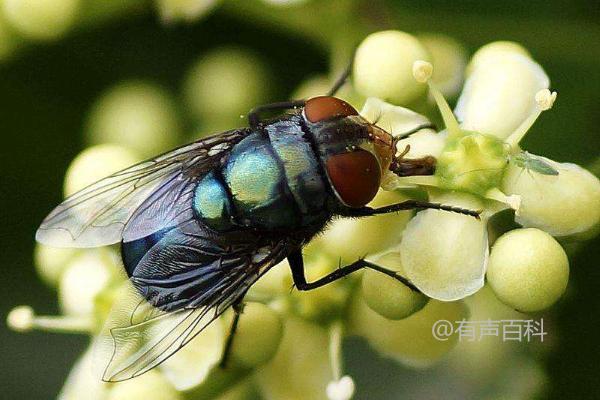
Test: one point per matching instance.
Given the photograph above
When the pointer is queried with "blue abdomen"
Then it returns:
(269, 181)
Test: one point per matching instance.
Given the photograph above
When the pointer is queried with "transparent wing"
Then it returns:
(182, 284)
(137, 201)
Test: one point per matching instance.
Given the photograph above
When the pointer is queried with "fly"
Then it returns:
(200, 224)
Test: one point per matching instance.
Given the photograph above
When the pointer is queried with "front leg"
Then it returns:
(407, 205)
(297, 266)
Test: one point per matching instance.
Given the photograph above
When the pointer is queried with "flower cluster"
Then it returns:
(289, 344)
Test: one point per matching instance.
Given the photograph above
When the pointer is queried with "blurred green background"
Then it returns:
(47, 89)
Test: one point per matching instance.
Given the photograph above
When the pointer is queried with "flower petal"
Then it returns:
(500, 93)
(445, 254)
(562, 204)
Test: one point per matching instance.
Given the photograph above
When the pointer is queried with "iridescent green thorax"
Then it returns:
(269, 181)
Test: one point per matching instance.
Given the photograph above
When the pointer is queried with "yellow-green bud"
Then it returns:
(528, 270)
(150, 386)
(258, 336)
(383, 67)
(298, 371)
(136, 114)
(95, 163)
(50, 262)
(409, 340)
(388, 296)
(449, 59)
(444, 253)
(225, 84)
(41, 19)
(82, 382)
(565, 202)
(473, 162)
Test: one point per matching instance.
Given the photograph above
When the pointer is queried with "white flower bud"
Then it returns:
(50, 262)
(500, 94)
(528, 270)
(297, 372)
(191, 365)
(561, 204)
(444, 254)
(383, 67)
(136, 114)
(83, 279)
(225, 84)
(386, 295)
(95, 163)
(409, 340)
(342, 389)
(258, 336)
(149, 386)
(41, 19)
(185, 10)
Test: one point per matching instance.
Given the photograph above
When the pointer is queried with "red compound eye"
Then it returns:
(326, 107)
(355, 176)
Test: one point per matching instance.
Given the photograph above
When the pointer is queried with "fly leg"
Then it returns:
(238, 308)
(254, 115)
(408, 205)
(297, 266)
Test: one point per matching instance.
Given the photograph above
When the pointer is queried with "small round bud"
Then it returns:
(561, 204)
(512, 103)
(50, 262)
(383, 67)
(224, 84)
(342, 389)
(443, 253)
(388, 296)
(409, 340)
(545, 99)
(136, 114)
(95, 163)
(41, 19)
(258, 335)
(422, 71)
(21, 319)
(528, 270)
(149, 386)
(184, 10)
